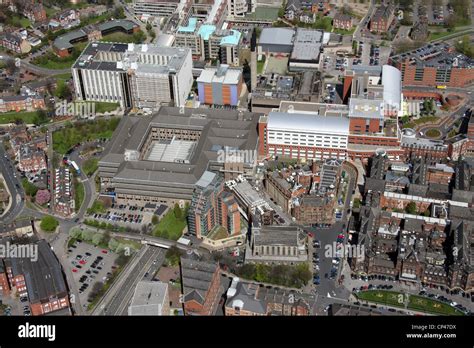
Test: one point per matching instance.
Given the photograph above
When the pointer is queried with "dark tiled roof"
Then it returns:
(196, 279)
(44, 277)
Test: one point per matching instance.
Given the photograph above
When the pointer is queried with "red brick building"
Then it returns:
(35, 12)
(435, 65)
(342, 21)
(31, 159)
(21, 103)
(200, 285)
(382, 18)
(41, 280)
(440, 174)
(14, 42)
(4, 285)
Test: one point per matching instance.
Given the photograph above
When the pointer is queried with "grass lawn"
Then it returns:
(421, 120)
(56, 64)
(10, 117)
(64, 77)
(18, 21)
(439, 34)
(432, 306)
(218, 233)
(170, 227)
(344, 32)
(51, 61)
(418, 303)
(79, 193)
(90, 166)
(391, 298)
(261, 64)
(101, 107)
(118, 37)
(433, 133)
(50, 12)
(269, 13)
(65, 138)
(25, 22)
(321, 23)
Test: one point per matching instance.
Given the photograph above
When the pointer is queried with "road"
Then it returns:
(328, 288)
(357, 36)
(447, 124)
(37, 69)
(12, 180)
(117, 298)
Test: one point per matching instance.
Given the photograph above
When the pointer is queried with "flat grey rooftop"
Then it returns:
(309, 123)
(218, 129)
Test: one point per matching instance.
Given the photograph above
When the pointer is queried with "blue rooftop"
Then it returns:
(206, 30)
(191, 26)
(231, 39)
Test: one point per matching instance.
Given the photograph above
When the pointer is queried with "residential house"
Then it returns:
(342, 21)
(382, 18)
(15, 42)
(250, 299)
(31, 159)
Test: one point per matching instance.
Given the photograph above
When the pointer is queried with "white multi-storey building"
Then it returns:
(158, 8)
(141, 76)
(305, 135)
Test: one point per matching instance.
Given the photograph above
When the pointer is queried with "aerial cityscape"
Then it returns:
(236, 158)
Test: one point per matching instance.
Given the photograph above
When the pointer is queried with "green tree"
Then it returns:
(97, 238)
(87, 235)
(62, 90)
(29, 188)
(49, 223)
(178, 213)
(281, 11)
(247, 271)
(155, 220)
(40, 118)
(411, 208)
(113, 244)
(465, 46)
(119, 12)
(173, 255)
(122, 259)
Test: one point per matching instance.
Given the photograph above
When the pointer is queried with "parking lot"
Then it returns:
(123, 215)
(90, 264)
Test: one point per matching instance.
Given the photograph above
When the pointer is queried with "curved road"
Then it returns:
(37, 69)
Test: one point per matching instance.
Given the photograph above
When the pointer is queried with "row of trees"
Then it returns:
(103, 240)
(285, 275)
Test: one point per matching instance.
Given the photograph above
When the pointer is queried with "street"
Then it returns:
(328, 289)
(12, 180)
(117, 298)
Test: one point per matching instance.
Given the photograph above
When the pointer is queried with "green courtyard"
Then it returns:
(171, 226)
